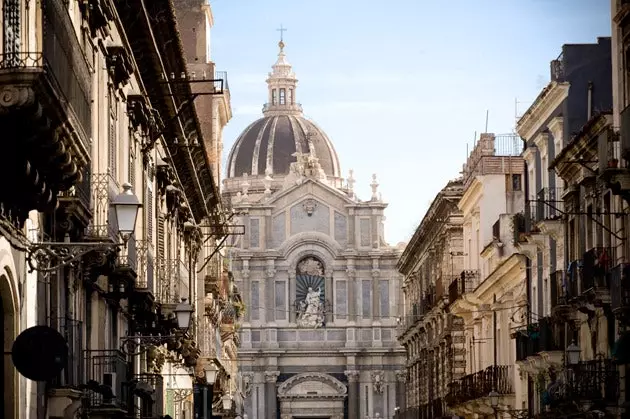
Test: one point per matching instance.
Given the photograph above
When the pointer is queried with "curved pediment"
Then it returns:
(310, 238)
(312, 384)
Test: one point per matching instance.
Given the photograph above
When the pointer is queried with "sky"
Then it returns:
(400, 86)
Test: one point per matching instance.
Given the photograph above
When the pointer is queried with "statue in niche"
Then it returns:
(310, 293)
(311, 312)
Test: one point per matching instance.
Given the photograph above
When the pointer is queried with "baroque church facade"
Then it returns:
(319, 281)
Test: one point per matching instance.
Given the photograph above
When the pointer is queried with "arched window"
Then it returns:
(310, 292)
(290, 97)
(282, 96)
(274, 97)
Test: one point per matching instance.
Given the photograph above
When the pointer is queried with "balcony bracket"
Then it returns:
(47, 257)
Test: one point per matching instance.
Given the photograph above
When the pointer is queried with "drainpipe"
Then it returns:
(589, 101)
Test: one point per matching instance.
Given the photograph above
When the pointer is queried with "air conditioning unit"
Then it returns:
(111, 380)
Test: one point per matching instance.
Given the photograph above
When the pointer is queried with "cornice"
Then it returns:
(470, 197)
(539, 112)
(511, 269)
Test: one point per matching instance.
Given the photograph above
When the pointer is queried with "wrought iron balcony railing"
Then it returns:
(173, 280)
(106, 373)
(596, 379)
(558, 289)
(538, 337)
(464, 283)
(499, 378)
(548, 204)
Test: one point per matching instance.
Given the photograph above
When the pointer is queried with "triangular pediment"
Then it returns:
(310, 189)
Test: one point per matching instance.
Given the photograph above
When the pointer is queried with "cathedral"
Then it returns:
(319, 282)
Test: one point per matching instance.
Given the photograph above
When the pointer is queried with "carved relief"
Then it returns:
(310, 266)
(248, 378)
(378, 381)
(309, 206)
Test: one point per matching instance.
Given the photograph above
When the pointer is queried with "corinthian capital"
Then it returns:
(353, 375)
(401, 376)
(271, 376)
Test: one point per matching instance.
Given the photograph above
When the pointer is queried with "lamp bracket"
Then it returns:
(137, 345)
(47, 257)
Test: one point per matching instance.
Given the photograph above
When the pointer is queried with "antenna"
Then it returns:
(487, 114)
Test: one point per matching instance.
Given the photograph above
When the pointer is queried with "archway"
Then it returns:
(7, 334)
(312, 395)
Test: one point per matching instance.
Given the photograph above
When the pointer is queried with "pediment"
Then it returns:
(312, 384)
(312, 189)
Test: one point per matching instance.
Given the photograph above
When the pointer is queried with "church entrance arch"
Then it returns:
(312, 395)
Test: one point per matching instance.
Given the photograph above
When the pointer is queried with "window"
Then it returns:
(366, 297)
(274, 96)
(255, 300)
(280, 306)
(516, 182)
(282, 96)
(290, 96)
(12, 30)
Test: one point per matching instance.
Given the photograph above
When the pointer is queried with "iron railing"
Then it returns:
(596, 379)
(80, 191)
(499, 378)
(548, 204)
(558, 289)
(107, 370)
(104, 189)
(222, 75)
(465, 283)
(173, 280)
(557, 69)
(61, 59)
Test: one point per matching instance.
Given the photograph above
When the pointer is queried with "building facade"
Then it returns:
(318, 279)
(94, 108)
(431, 335)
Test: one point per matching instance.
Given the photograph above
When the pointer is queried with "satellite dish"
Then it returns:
(40, 353)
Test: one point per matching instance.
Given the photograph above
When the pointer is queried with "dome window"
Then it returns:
(290, 97)
(274, 96)
(282, 97)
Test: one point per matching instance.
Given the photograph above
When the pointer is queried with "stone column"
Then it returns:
(271, 395)
(401, 379)
(353, 393)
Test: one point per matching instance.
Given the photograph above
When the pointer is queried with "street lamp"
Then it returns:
(494, 399)
(126, 206)
(227, 402)
(573, 354)
(50, 256)
(211, 372)
(183, 312)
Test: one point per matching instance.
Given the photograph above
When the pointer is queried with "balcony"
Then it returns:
(465, 283)
(597, 266)
(475, 386)
(595, 380)
(543, 336)
(173, 281)
(620, 292)
(614, 149)
(74, 204)
(106, 373)
(270, 107)
(46, 108)
(104, 189)
(73, 374)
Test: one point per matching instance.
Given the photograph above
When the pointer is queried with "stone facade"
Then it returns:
(319, 281)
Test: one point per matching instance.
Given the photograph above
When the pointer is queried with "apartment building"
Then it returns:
(113, 192)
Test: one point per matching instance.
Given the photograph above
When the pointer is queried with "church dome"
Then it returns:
(270, 144)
